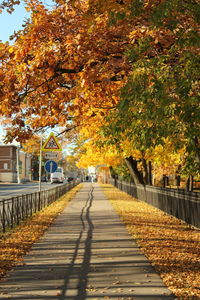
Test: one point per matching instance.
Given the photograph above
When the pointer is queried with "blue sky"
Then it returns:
(11, 22)
(8, 24)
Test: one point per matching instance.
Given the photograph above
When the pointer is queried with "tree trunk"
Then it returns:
(132, 166)
(189, 184)
(146, 172)
(150, 173)
(113, 174)
(197, 149)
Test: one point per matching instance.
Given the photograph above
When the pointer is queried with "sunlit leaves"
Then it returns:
(32, 146)
(60, 57)
(72, 65)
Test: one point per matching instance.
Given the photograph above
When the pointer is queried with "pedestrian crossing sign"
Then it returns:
(51, 144)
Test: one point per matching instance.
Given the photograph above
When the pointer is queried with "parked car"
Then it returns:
(70, 179)
(57, 177)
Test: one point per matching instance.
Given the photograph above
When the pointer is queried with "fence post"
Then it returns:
(38, 201)
(12, 213)
(25, 197)
(31, 205)
(3, 217)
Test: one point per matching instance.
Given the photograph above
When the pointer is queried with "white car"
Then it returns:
(57, 177)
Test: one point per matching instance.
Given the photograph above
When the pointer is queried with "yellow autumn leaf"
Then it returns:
(27, 8)
(11, 49)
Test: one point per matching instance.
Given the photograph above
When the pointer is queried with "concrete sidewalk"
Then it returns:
(86, 254)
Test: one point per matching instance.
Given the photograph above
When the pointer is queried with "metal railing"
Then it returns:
(179, 203)
(19, 208)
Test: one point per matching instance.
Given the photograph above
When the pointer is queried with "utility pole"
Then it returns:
(40, 165)
(17, 156)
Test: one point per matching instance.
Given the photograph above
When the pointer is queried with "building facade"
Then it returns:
(8, 163)
(25, 166)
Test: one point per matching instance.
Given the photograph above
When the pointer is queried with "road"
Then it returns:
(10, 190)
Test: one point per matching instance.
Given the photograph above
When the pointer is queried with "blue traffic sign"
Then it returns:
(50, 166)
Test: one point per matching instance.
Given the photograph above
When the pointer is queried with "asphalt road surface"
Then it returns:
(10, 190)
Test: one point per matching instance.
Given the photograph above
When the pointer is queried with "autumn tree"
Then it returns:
(66, 66)
(160, 100)
(92, 155)
(70, 165)
(132, 65)
(33, 145)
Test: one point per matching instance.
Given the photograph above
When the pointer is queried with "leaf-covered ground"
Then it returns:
(16, 243)
(172, 246)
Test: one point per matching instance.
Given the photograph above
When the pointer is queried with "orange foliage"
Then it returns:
(65, 65)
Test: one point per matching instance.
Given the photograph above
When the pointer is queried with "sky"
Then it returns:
(8, 24)
(11, 22)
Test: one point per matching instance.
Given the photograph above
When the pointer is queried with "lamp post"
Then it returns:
(17, 157)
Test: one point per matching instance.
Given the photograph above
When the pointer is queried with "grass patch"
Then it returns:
(171, 246)
(16, 243)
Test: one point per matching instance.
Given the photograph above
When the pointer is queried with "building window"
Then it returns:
(5, 166)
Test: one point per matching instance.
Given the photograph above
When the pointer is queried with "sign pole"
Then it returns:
(51, 167)
(40, 165)
(17, 156)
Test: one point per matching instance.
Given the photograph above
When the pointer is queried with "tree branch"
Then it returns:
(69, 71)
(67, 129)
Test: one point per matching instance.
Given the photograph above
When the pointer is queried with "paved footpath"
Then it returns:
(86, 254)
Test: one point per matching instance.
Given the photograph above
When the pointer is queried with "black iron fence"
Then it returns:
(19, 208)
(177, 202)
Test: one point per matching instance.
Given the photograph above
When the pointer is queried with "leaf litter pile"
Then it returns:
(171, 245)
(16, 243)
